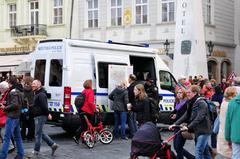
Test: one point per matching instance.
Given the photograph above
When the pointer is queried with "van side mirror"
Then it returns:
(49, 95)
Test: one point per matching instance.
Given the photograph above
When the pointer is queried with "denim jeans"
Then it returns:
(12, 128)
(120, 118)
(178, 144)
(214, 140)
(132, 122)
(202, 148)
(235, 150)
(39, 134)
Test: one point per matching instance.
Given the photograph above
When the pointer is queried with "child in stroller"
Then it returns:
(147, 142)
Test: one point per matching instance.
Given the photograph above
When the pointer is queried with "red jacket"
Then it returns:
(89, 106)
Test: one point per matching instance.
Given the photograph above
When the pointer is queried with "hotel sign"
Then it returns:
(15, 49)
(184, 7)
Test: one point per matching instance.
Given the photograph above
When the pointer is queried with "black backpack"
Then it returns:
(212, 109)
(154, 109)
(79, 101)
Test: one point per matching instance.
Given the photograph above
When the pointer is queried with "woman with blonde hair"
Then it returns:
(223, 146)
(119, 96)
(142, 104)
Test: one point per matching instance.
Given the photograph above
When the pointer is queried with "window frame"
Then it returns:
(172, 81)
(209, 12)
(116, 7)
(167, 2)
(35, 11)
(58, 17)
(12, 15)
(93, 10)
(53, 73)
(43, 73)
(141, 4)
(105, 72)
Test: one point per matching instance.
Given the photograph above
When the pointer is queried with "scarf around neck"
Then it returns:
(180, 104)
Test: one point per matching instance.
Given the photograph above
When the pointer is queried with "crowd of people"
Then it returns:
(23, 103)
(129, 103)
(192, 111)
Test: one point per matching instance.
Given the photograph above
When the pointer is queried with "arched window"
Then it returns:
(212, 69)
(225, 68)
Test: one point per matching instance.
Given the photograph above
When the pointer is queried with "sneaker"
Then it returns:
(34, 155)
(75, 140)
(54, 148)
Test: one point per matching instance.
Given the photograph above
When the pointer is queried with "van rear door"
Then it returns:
(101, 66)
(49, 69)
(54, 85)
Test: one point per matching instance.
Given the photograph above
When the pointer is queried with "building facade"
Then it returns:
(24, 22)
(153, 22)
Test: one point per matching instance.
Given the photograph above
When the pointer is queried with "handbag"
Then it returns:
(187, 135)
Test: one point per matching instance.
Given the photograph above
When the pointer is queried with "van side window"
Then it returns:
(103, 73)
(39, 72)
(167, 81)
(55, 77)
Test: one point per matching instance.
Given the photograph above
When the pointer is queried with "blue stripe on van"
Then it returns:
(168, 95)
(105, 94)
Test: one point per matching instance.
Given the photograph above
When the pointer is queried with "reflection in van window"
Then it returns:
(39, 72)
(55, 77)
(166, 81)
(103, 73)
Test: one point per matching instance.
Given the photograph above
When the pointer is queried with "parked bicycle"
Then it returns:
(96, 133)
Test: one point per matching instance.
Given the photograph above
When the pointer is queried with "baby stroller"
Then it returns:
(147, 142)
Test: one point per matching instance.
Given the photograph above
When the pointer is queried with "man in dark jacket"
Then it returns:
(41, 114)
(12, 110)
(132, 116)
(151, 89)
(199, 122)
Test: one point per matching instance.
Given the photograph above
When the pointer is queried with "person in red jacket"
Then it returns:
(88, 108)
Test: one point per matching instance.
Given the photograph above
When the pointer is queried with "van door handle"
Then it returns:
(58, 94)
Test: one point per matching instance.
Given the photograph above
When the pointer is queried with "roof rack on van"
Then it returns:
(139, 45)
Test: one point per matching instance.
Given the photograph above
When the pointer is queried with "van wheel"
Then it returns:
(71, 123)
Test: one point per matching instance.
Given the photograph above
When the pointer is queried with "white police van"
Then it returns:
(62, 65)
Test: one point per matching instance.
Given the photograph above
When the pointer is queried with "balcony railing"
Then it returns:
(29, 30)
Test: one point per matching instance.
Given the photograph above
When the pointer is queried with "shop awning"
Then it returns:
(9, 62)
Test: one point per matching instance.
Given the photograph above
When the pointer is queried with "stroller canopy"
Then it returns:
(148, 133)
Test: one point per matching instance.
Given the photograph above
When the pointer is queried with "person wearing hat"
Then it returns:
(182, 83)
(151, 89)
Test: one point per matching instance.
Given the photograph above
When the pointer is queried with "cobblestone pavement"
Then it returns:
(118, 149)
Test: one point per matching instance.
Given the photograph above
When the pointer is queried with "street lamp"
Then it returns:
(210, 46)
(166, 46)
